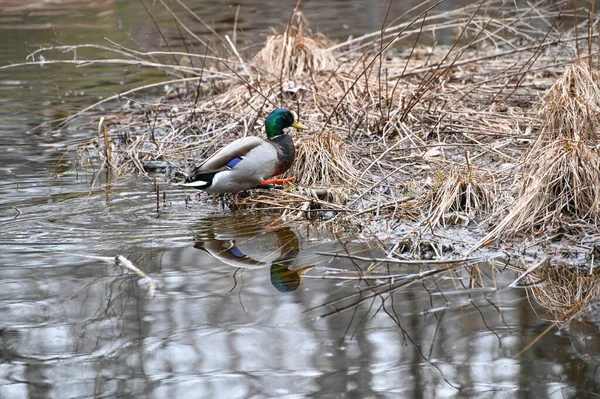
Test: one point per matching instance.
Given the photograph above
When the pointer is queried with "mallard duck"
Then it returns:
(250, 161)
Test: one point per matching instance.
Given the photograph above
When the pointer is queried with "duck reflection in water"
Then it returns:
(250, 244)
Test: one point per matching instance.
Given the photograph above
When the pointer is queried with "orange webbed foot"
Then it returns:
(278, 181)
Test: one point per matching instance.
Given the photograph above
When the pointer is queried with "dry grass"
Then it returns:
(323, 160)
(296, 54)
(560, 176)
(376, 109)
(294, 204)
(466, 192)
(359, 116)
(571, 107)
(560, 180)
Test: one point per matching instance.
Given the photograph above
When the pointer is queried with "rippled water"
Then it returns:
(234, 318)
(246, 306)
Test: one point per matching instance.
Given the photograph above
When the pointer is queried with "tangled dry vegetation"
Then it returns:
(406, 125)
(458, 193)
(561, 172)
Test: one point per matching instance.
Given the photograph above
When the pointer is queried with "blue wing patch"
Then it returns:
(233, 162)
(236, 252)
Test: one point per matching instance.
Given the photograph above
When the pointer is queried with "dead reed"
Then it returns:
(457, 193)
(564, 178)
(570, 108)
(560, 176)
(293, 203)
(323, 160)
(296, 53)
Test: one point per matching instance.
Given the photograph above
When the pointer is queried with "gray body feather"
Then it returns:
(259, 162)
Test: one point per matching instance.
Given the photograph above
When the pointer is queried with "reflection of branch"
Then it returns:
(380, 281)
(536, 339)
(394, 287)
(439, 262)
(118, 260)
(515, 284)
(123, 261)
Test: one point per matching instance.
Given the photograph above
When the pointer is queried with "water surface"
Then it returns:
(245, 308)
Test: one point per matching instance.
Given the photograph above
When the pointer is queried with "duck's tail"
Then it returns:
(201, 181)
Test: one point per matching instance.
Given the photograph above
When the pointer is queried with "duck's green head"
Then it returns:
(279, 120)
(286, 280)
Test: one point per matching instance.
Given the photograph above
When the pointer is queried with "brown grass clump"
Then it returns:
(323, 160)
(294, 55)
(560, 179)
(466, 192)
(561, 172)
(571, 107)
(295, 203)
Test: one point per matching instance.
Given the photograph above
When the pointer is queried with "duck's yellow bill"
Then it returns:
(302, 271)
(299, 125)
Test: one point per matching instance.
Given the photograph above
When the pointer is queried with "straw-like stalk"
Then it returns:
(571, 107)
(561, 173)
(561, 179)
(322, 160)
(295, 54)
(466, 192)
